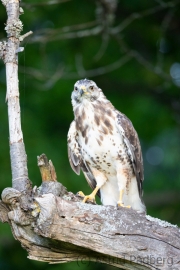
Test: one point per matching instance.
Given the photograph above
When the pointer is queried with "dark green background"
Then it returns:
(146, 88)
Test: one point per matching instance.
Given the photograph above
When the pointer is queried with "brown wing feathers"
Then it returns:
(133, 143)
(74, 161)
(77, 164)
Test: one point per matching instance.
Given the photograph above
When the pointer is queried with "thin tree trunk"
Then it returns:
(20, 180)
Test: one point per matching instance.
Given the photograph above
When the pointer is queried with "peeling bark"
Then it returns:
(3, 212)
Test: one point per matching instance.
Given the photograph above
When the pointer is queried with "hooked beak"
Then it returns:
(83, 90)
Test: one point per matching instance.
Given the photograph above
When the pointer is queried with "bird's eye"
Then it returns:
(92, 88)
(75, 88)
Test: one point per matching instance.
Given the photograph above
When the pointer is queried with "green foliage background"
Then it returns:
(146, 88)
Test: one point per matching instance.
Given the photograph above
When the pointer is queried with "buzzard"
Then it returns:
(103, 143)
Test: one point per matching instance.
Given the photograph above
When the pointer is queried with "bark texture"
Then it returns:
(61, 228)
(9, 54)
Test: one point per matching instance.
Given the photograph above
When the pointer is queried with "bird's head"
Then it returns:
(85, 90)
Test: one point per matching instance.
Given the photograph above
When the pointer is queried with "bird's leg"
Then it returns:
(122, 176)
(120, 202)
(91, 197)
(100, 180)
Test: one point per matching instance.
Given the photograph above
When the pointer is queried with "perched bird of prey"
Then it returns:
(103, 143)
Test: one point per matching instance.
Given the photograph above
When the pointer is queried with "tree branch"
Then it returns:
(69, 35)
(81, 71)
(46, 3)
(144, 13)
(63, 229)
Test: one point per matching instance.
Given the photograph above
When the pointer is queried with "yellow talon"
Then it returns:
(90, 197)
(85, 198)
(80, 193)
(120, 203)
